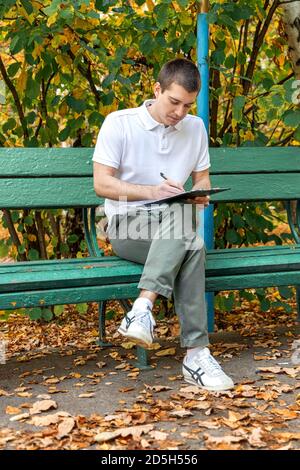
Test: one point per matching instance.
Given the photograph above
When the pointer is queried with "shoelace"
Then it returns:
(209, 364)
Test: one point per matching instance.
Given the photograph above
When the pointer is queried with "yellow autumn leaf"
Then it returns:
(31, 237)
(186, 19)
(52, 19)
(37, 51)
(150, 5)
(166, 352)
(21, 85)
(63, 109)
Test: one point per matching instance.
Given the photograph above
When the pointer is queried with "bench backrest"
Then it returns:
(63, 177)
(47, 178)
(256, 173)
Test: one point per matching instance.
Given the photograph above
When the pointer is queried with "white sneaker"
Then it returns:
(203, 370)
(138, 326)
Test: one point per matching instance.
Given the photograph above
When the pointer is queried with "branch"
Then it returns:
(16, 98)
(86, 73)
(12, 232)
(40, 231)
(257, 42)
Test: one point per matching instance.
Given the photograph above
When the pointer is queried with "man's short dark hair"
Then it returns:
(183, 72)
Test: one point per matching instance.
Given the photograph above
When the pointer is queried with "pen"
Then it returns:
(163, 176)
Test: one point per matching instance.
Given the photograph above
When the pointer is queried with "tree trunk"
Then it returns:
(291, 20)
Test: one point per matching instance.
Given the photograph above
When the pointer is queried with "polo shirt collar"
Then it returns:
(148, 121)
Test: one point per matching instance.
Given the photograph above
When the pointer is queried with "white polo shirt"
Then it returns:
(140, 148)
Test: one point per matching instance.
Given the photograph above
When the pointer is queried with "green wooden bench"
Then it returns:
(62, 178)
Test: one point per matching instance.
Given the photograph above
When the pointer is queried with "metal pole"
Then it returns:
(206, 228)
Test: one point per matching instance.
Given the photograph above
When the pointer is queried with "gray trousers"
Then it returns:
(165, 241)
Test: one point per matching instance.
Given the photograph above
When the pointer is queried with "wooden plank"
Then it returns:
(103, 274)
(120, 271)
(15, 300)
(255, 280)
(33, 162)
(242, 251)
(262, 187)
(218, 259)
(46, 193)
(78, 192)
(59, 264)
(254, 159)
(276, 263)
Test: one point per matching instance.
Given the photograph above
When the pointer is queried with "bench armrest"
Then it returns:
(89, 225)
(294, 224)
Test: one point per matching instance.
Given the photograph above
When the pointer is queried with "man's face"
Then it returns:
(172, 105)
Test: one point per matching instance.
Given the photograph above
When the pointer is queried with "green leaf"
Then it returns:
(17, 43)
(32, 89)
(9, 125)
(77, 105)
(15, 216)
(292, 117)
(34, 313)
(232, 236)
(13, 69)
(28, 220)
(4, 249)
(162, 15)
(82, 308)
(53, 8)
(64, 134)
(265, 305)
(72, 238)
(297, 134)
(47, 315)
(238, 105)
(21, 249)
(33, 255)
(96, 119)
(58, 310)
(285, 292)
(27, 5)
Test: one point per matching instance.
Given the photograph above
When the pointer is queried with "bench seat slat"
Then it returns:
(222, 255)
(39, 298)
(14, 300)
(115, 271)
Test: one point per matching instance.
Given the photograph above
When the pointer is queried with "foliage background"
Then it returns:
(67, 64)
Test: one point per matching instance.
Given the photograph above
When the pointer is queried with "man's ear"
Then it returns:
(157, 89)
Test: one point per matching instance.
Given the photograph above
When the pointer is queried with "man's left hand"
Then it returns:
(203, 200)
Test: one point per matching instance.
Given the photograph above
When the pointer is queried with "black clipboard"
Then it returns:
(187, 195)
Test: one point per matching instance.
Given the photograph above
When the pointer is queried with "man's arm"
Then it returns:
(201, 181)
(108, 186)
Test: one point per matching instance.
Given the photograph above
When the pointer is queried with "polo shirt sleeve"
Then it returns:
(203, 161)
(108, 149)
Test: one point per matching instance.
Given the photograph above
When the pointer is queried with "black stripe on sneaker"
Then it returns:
(195, 374)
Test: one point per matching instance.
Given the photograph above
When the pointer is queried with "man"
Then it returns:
(134, 149)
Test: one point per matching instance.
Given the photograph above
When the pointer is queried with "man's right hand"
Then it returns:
(167, 188)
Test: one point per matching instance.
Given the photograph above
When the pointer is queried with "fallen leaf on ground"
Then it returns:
(12, 410)
(43, 405)
(255, 438)
(134, 431)
(157, 388)
(166, 352)
(181, 413)
(65, 427)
